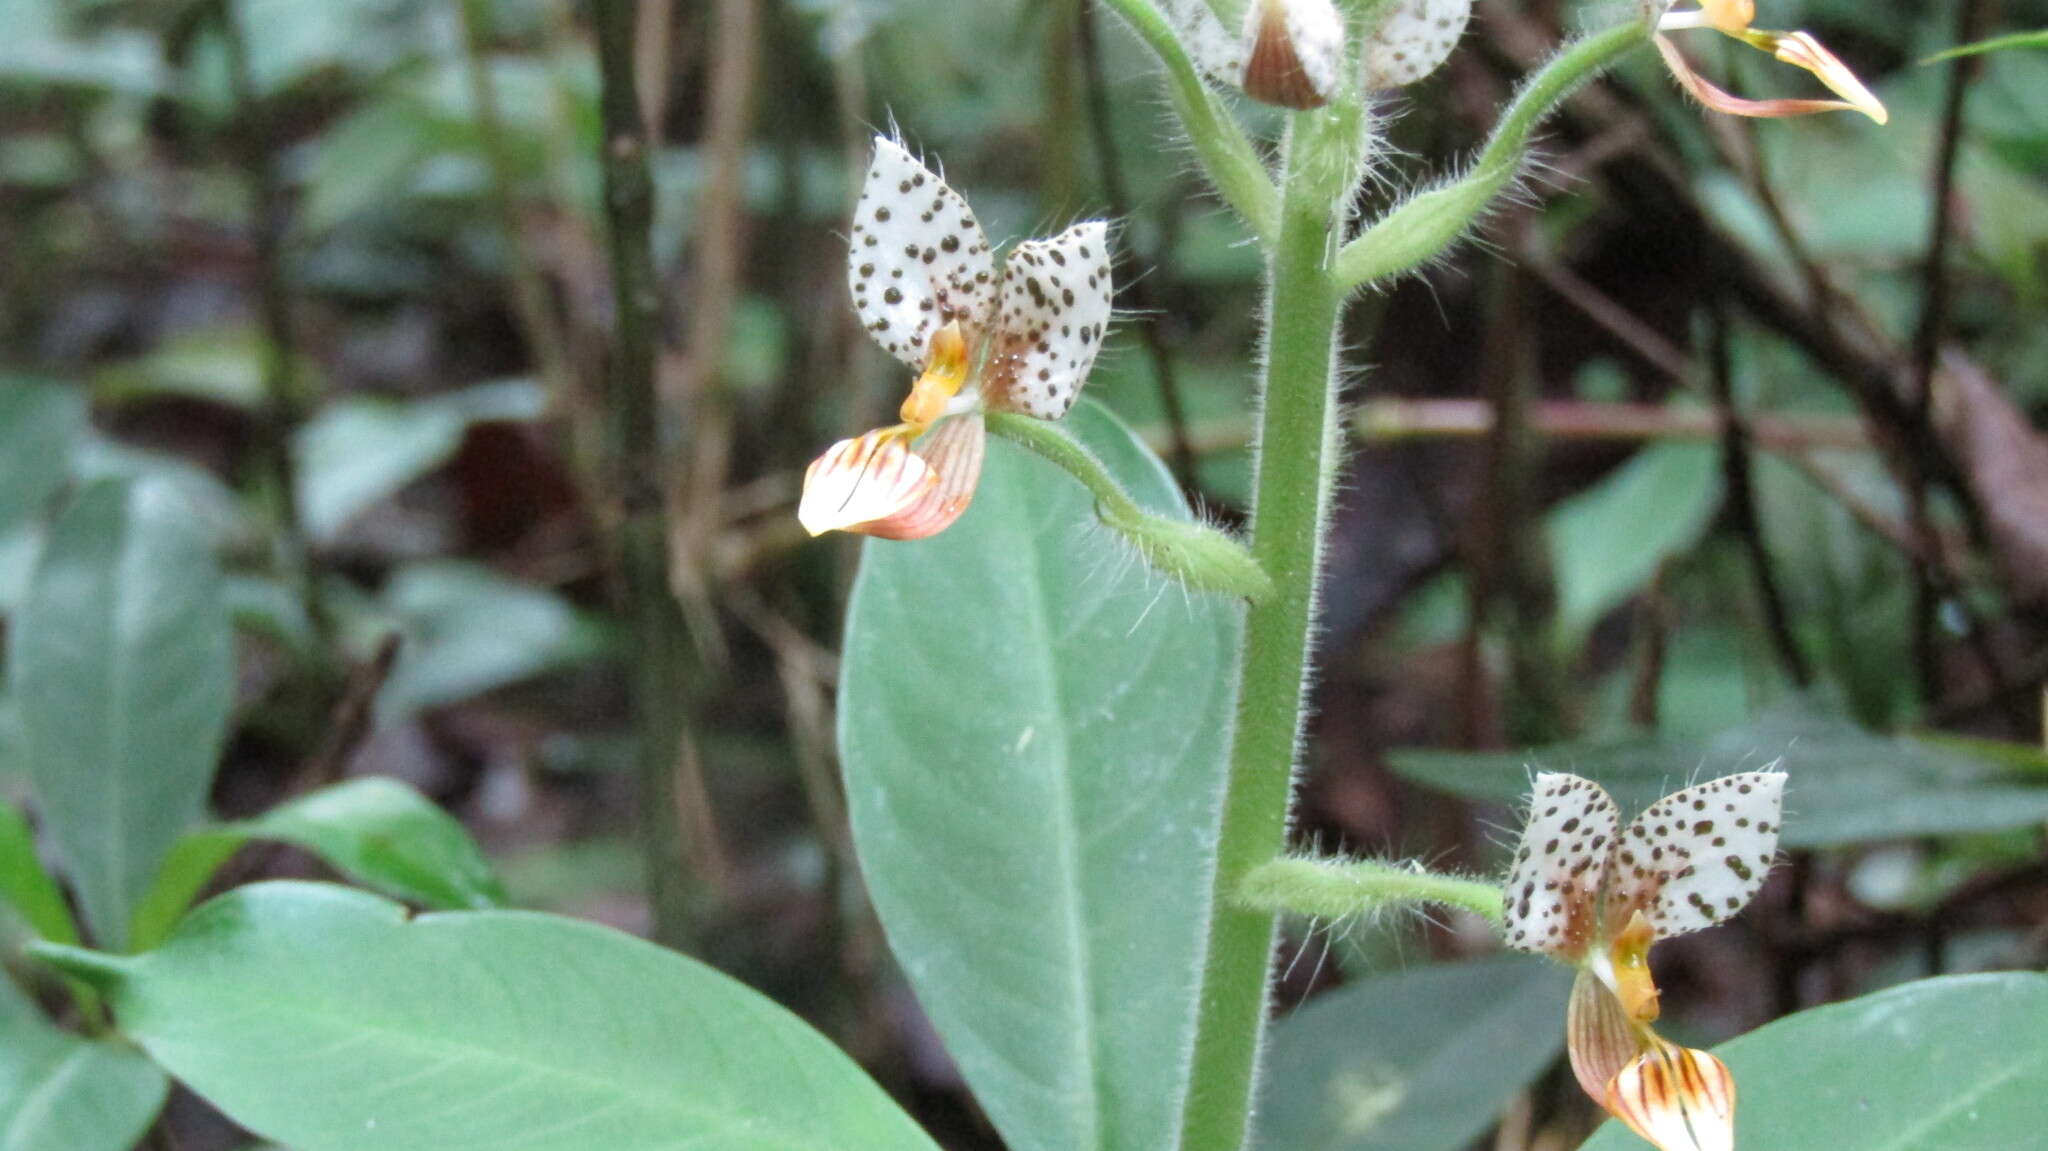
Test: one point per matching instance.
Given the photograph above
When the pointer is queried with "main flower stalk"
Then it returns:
(1291, 500)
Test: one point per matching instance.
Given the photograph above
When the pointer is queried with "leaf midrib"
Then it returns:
(652, 1101)
(36, 1105)
(1067, 837)
(1908, 1139)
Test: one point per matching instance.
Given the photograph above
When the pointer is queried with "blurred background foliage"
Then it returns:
(1711, 453)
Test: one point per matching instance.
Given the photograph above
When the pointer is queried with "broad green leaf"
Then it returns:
(211, 502)
(1606, 542)
(39, 422)
(1418, 1060)
(26, 886)
(1847, 784)
(358, 452)
(329, 1019)
(123, 669)
(58, 1091)
(1032, 725)
(223, 365)
(468, 630)
(10, 740)
(378, 831)
(1950, 1064)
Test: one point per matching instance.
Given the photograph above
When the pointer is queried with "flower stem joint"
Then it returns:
(1596, 895)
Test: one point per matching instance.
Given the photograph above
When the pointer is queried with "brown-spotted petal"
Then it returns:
(1598, 1035)
(1054, 306)
(1561, 864)
(1696, 857)
(1211, 37)
(1410, 39)
(916, 259)
(1677, 1098)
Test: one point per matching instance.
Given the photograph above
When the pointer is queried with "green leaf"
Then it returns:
(223, 365)
(26, 886)
(1414, 1061)
(39, 422)
(358, 452)
(1950, 1064)
(327, 1019)
(2038, 38)
(468, 630)
(60, 1091)
(1847, 785)
(378, 831)
(123, 669)
(1032, 725)
(1606, 542)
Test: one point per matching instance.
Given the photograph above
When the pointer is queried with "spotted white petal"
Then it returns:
(917, 258)
(1697, 856)
(1049, 321)
(1677, 1098)
(1553, 890)
(1213, 44)
(1412, 39)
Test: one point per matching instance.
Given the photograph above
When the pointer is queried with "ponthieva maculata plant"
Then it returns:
(1005, 345)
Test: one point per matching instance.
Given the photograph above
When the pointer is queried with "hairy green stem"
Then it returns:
(1290, 500)
(1336, 888)
(1226, 153)
(1206, 558)
(1419, 228)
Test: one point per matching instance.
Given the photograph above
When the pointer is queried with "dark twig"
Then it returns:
(1934, 292)
(1139, 289)
(1927, 336)
(283, 406)
(1736, 467)
(661, 652)
(350, 720)
(1652, 643)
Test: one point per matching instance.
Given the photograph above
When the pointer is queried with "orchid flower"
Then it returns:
(1587, 892)
(926, 287)
(1732, 18)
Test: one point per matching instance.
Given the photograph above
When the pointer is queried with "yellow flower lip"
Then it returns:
(945, 373)
(1732, 18)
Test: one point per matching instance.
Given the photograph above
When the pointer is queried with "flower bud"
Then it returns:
(1295, 52)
